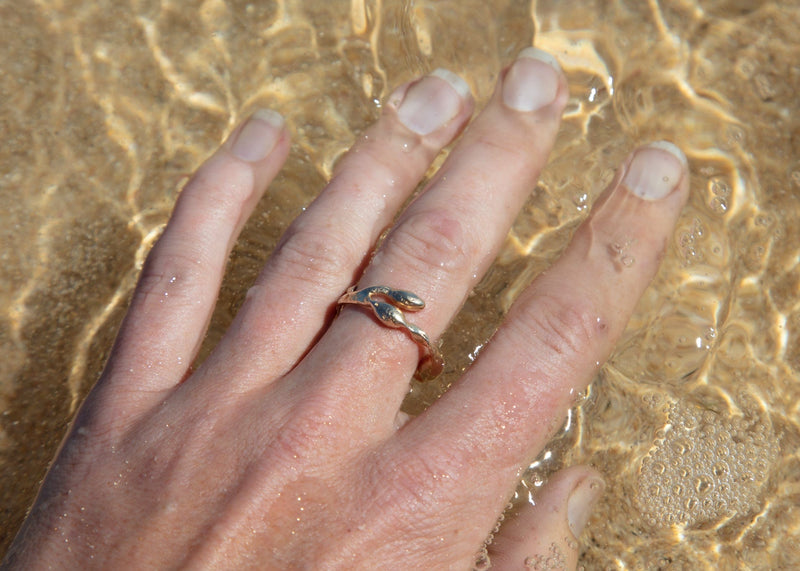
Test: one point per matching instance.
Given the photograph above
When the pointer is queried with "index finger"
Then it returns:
(501, 413)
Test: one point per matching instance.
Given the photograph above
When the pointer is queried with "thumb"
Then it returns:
(545, 535)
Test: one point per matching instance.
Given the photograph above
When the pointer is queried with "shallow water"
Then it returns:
(107, 106)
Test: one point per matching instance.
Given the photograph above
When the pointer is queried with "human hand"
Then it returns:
(285, 449)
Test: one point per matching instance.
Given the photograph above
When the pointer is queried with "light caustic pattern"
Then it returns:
(108, 106)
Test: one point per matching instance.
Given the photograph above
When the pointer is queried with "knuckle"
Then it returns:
(419, 480)
(298, 439)
(504, 150)
(315, 256)
(562, 326)
(307, 433)
(434, 241)
(168, 273)
(221, 182)
(373, 160)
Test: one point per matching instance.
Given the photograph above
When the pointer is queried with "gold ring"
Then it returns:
(388, 305)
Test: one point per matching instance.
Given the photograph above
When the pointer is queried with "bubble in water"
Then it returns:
(719, 187)
(681, 446)
(652, 400)
(764, 86)
(746, 66)
(703, 484)
(704, 466)
(707, 430)
(482, 561)
(619, 252)
(690, 243)
(553, 560)
(734, 137)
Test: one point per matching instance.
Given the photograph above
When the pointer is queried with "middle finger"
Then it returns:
(326, 246)
(446, 239)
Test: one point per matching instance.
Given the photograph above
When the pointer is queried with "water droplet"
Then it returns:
(581, 201)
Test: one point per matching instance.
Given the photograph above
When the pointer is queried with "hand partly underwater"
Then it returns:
(284, 448)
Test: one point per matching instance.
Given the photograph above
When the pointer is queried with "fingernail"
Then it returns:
(532, 81)
(655, 170)
(258, 136)
(433, 101)
(581, 501)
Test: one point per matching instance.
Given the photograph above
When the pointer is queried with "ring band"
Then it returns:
(388, 304)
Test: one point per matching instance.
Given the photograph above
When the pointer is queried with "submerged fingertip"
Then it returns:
(456, 82)
(258, 135)
(581, 501)
(671, 148)
(655, 170)
(528, 85)
(432, 102)
(541, 55)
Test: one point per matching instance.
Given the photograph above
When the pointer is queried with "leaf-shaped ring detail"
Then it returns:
(388, 304)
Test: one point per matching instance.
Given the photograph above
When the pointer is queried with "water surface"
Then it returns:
(108, 106)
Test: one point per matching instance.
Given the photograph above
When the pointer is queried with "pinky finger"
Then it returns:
(545, 535)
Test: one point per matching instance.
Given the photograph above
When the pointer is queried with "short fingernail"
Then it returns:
(532, 81)
(258, 136)
(656, 170)
(581, 501)
(433, 101)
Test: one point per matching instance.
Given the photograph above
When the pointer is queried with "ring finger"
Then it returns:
(326, 247)
(446, 239)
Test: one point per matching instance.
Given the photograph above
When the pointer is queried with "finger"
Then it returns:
(446, 239)
(326, 247)
(180, 280)
(545, 534)
(503, 410)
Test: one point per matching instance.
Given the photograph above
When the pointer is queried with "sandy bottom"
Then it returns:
(107, 106)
